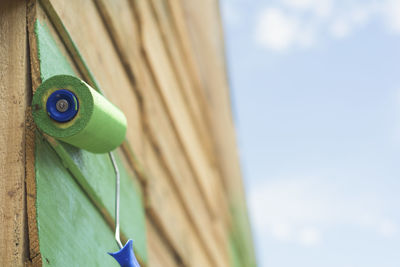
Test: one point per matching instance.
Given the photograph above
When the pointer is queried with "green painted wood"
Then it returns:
(52, 61)
(241, 243)
(93, 172)
(96, 170)
(234, 255)
(71, 230)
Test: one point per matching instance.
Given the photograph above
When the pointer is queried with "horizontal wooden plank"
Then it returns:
(121, 24)
(160, 253)
(166, 210)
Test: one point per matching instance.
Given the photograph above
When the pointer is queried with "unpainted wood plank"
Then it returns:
(167, 212)
(206, 40)
(181, 28)
(180, 176)
(119, 20)
(84, 25)
(160, 254)
(34, 257)
(14, 94)
(160, 66)
(183, 75)
(206, 37)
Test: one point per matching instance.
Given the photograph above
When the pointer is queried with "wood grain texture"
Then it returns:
(14, 95)
(176, 106)
(178, 175)
(182, 26)
(166, 210)
(160, 253)
(34, 258)
(185, 78)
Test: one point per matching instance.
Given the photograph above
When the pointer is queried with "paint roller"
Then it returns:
(69, 110)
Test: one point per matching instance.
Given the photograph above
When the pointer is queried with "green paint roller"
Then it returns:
(68, 109)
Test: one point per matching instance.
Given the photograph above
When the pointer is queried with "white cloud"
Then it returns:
(391, 15)
(275, 29)
(278, 30)
(303, 23)
(300, 210)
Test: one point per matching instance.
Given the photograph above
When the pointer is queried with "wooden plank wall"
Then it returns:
(162, 62)
(205, 37)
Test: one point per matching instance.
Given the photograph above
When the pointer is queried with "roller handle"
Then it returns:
(125, 256)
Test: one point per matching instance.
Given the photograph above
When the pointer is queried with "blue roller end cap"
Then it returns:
(126, 257)
(62, 105)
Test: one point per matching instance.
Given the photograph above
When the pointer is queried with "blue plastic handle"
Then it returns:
(125, 256)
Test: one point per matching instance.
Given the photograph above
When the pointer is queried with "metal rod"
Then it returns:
(117, 179)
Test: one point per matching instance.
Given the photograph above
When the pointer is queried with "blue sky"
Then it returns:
(316, 98)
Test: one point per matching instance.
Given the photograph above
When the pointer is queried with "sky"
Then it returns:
(315, 87)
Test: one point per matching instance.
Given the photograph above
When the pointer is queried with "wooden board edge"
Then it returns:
(35, 258)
